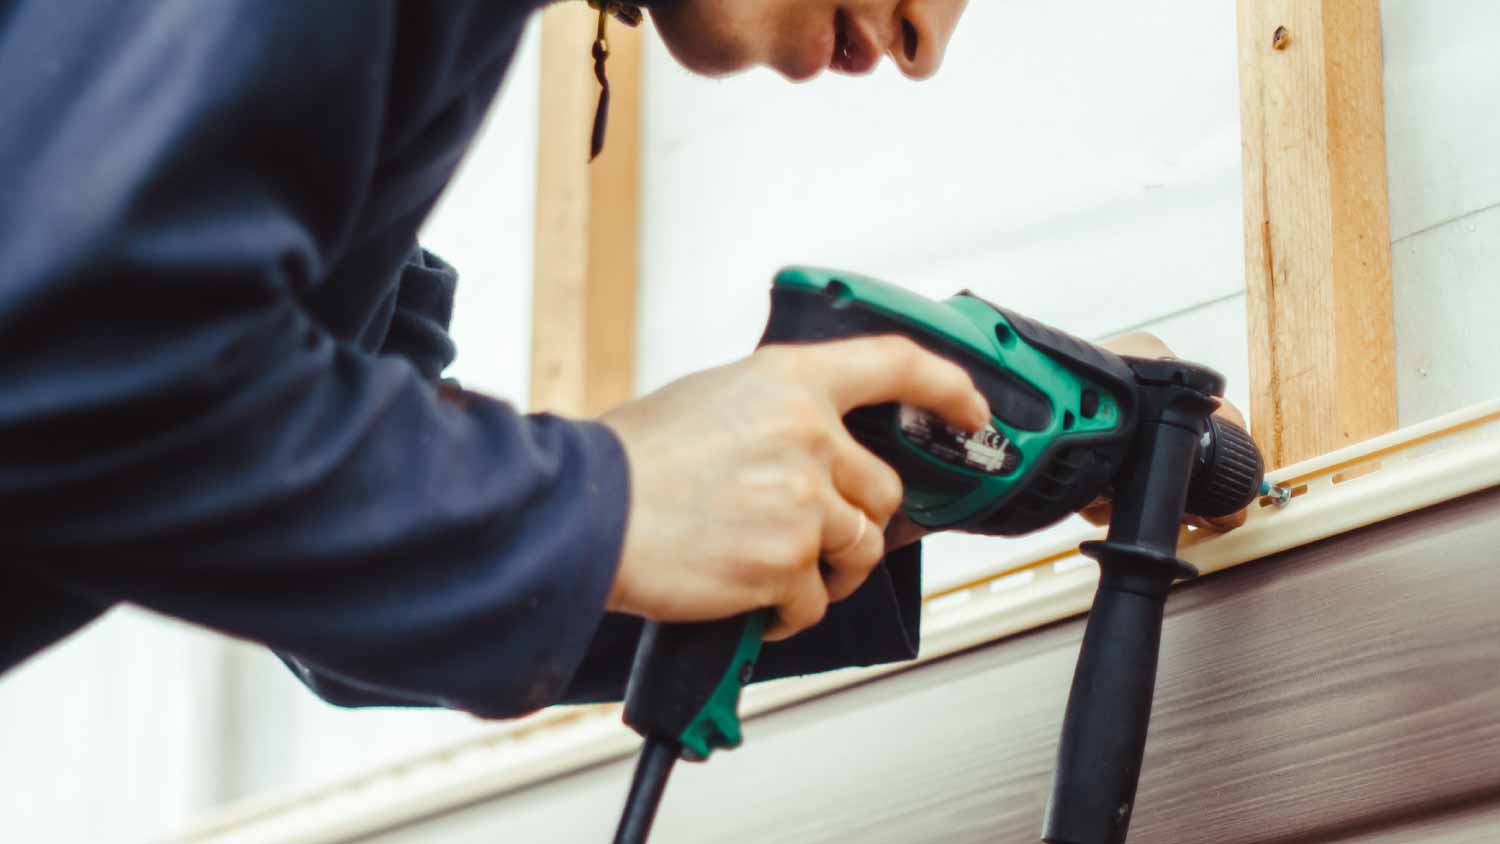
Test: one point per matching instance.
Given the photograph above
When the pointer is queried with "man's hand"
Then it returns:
(1142, 345)
(744, 477)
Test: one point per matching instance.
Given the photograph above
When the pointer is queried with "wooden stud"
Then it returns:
(1317, 228)
(584, 263)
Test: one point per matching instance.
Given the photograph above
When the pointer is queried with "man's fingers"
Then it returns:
(1227, 410)
(803, 608)
(865, 480)
(874, 370)
(1219, 524)
(867, 491)
(851, 546)
(1098, 511)
(1138, 344)
(849, 555)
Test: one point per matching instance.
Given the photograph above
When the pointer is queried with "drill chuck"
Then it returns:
(1229, 471)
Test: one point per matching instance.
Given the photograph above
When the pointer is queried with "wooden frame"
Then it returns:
(583, 290)
(1317, 225)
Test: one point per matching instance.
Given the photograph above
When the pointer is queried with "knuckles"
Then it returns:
(806, 427)
(781, 361)
(801, 491)
(889, 494)
(785, 554)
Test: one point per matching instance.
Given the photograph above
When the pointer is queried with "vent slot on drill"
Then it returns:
(1065, 481)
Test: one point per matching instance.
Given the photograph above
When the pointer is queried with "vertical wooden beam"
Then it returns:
(583, 280)
(1317, 228)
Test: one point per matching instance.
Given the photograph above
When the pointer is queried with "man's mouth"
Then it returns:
(854, 49)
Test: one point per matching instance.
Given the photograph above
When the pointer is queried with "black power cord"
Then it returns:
(650, 781)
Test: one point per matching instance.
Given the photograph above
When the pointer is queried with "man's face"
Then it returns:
(799, 38)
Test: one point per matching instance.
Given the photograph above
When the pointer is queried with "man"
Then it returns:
(221, 346)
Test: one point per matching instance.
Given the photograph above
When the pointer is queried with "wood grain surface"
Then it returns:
(1348, 691)
(584, 272)
(1317, 225)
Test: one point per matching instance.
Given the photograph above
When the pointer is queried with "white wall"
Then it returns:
(111, 734)
(1442, 116)
(1082, 168)
(136, 724)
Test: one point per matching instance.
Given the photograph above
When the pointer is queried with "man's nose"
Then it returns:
(922, 30)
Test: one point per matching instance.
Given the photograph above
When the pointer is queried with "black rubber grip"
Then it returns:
(677, 667)
(646, 789)
(1109, 711)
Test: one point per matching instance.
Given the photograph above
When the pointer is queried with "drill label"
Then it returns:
(987, 451)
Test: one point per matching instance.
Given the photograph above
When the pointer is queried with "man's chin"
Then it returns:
(691, 50)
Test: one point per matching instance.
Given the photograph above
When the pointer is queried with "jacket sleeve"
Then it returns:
(178, 432)
(418, 333)
(879, 623)
(418, 330)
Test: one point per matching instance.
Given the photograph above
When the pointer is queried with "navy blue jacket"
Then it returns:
(219, 353)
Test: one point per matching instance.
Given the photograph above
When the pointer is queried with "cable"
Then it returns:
(646, 788)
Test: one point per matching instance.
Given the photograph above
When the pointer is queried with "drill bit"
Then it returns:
(1279, 495)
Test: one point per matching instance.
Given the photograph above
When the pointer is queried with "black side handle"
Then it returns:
(1109, 706)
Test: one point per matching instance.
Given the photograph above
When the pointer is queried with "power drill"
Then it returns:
(1070, 422)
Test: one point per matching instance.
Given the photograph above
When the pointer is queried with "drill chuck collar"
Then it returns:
(1070, 421)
